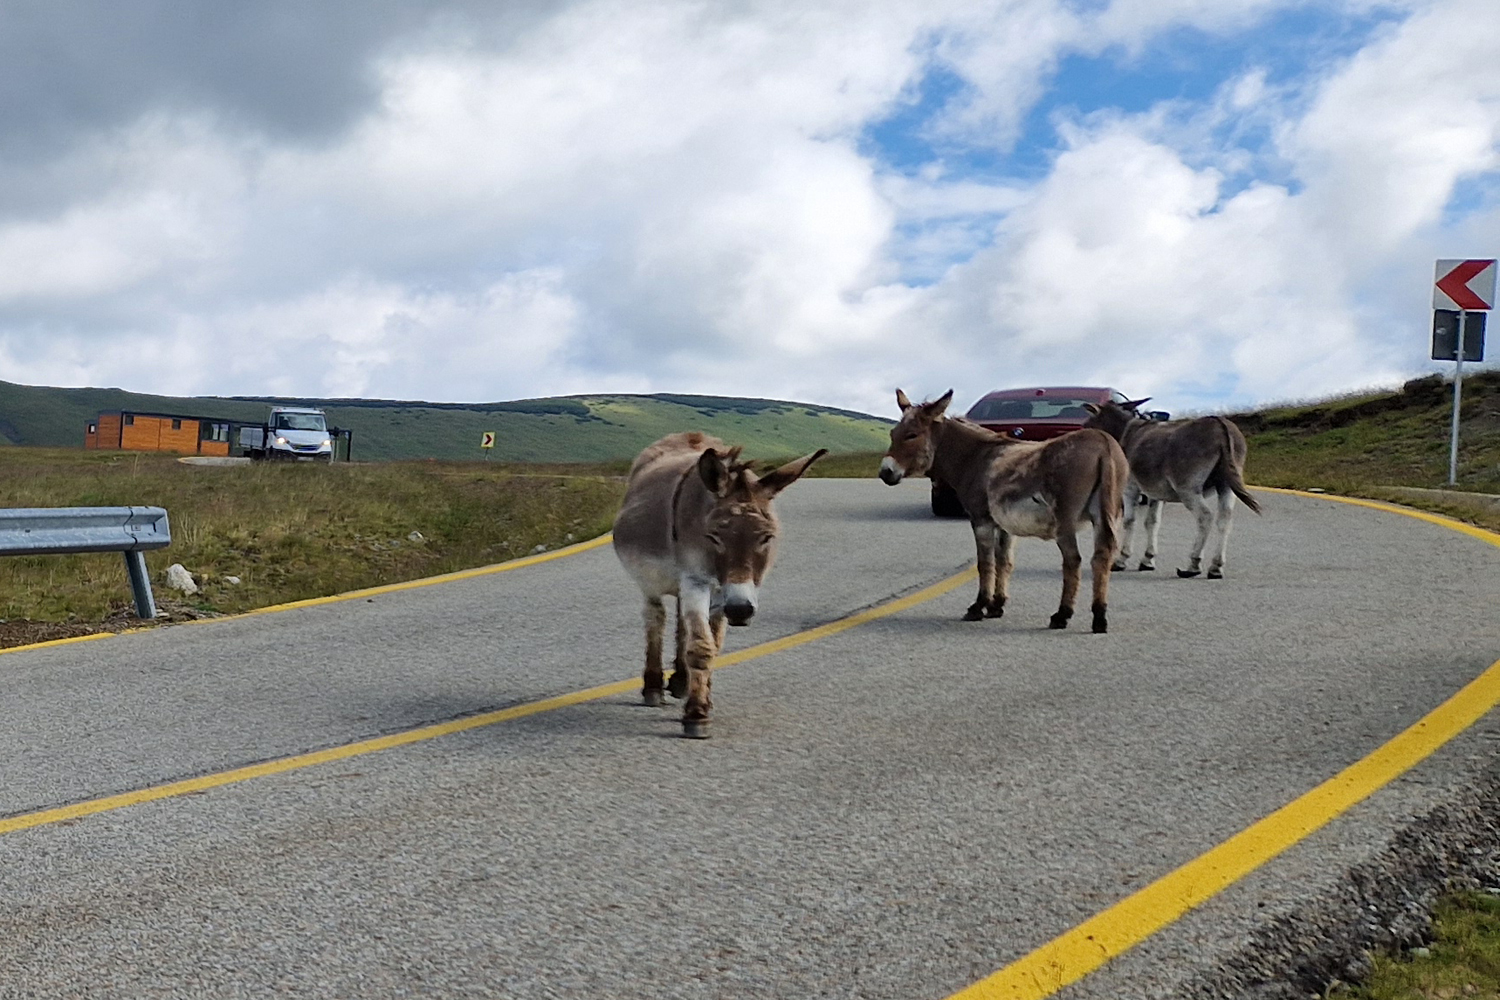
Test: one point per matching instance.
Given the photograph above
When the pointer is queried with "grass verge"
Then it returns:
(1365, 445)
(1463, 959)
(286, 531)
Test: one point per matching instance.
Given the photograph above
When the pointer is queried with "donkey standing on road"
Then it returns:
(1041, 489)
(697, 524)
(1197, 463)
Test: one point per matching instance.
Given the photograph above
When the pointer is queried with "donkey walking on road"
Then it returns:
(1041, 489)
(697, 524)
(1197, 463)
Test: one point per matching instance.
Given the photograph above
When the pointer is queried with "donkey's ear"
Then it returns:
(777, 480)
(1133, 404)
(902, 401)
(714, 472)
(1091, 408)
(938, 406)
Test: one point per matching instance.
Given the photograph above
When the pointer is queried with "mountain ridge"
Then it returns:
(576, 428)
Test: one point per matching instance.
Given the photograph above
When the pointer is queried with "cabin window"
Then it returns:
(215, 432)
(177, 423)
(93, 428)
(130, 420)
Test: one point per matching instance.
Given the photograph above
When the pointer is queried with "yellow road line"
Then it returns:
(388, 588)
(1086, 947)
(77, 810)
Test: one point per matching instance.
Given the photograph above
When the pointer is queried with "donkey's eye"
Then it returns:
(765, 540)
(714, 540)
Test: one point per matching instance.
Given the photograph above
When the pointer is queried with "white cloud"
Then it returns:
(675, 196)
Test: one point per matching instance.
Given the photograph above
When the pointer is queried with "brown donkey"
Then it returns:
(697, 524)
(1041, 489)
(1197, 463)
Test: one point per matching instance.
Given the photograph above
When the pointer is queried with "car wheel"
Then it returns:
(945, 502)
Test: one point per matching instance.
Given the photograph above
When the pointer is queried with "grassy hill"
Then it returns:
(562, 429)
(1385, 438)
(1387, 445)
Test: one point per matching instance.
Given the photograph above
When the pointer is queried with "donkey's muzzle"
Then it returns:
(890, 475)
(739, 612)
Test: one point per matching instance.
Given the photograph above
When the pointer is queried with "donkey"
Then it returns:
(697, 524)
(1197, 463)
(1041, 489)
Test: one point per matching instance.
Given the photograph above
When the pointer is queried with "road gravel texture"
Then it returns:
(894, 811)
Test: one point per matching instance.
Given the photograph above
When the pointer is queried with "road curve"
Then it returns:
(897, 810)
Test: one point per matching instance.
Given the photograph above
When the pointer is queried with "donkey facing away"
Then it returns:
(697, 524)
(1041, 489)
(1197, 463)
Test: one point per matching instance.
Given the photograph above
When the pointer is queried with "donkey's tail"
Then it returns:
(1230, 464)
(1111, 490)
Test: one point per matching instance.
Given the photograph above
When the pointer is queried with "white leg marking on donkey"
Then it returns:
(1204, 512)
(695, 597)
(1226, 521)
(1153, 532)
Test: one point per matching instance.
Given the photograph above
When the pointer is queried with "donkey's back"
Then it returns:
(643, 528)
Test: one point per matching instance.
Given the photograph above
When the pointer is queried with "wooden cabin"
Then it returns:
(129, 431)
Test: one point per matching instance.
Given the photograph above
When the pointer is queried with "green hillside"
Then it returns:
(561, 429)
(1387, 439)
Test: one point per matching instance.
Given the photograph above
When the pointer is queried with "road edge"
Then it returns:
(1090, 945)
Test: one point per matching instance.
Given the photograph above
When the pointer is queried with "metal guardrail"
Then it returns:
(46, 531)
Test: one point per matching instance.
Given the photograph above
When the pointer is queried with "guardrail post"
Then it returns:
(140, 584)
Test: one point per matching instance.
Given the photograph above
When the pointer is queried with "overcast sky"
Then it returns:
(1215, 202)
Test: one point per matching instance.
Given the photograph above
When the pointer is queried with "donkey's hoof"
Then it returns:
(1146, 567)
(651, 697)
(975, 613)
(1120, 566)
(995, 611)
(1216, 574)
(1059, 620)
(1187, 574)
(695, 729)
(1101, 625)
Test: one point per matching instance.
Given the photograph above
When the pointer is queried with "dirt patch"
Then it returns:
(26, 632)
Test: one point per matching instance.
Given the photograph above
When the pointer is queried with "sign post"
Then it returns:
(1462, 291)
(487, 442)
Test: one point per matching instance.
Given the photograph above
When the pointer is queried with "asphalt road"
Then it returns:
(894, 811)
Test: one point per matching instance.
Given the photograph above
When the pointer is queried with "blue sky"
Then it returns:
(1215, 204)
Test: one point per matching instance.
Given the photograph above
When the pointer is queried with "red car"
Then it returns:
(1029, 414)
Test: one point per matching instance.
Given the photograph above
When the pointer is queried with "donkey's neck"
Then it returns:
(960, 449)
(1131, 429)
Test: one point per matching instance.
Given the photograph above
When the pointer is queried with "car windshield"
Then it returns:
(300, 422)
(1040, 408)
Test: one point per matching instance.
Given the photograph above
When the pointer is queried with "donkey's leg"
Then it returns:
(986, 535)
(693, 605)
(656, 624)
(1005, 561)
(718, 625)
(1226, 521)
(1204, 512)
(1132, 497)
(677, 683)
(1067, 541)
(1153, 533)
(1099, 569)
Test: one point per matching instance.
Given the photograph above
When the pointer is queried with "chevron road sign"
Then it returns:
(1462, 291)
(1464, 285)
